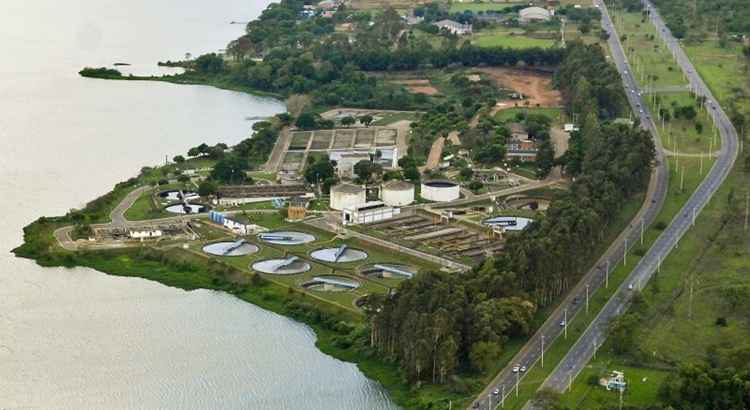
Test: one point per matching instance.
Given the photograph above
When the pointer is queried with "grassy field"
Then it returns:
(652, 62)
(510, 39)
(459, 7)
(683, 135)
(510, 113)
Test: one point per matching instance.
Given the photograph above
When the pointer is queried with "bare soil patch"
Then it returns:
(535, 86)
(418, 86)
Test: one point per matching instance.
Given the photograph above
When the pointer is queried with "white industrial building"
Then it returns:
(146, 234)
(397, 193)
(369, 212)
(454, 27)
(534, 14)
(440, 191)
(347, 196)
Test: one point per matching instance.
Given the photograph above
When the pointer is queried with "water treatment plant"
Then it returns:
(238, 248)
(342, 254)
(287, 266)
(288, 238)
(440, 191)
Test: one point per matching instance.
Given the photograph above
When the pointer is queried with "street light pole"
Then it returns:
(565, 323)
(587, 299)
(542, 351)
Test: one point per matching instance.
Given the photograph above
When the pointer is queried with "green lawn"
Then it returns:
(509, 39)
(653, 63)
(147, 207)
(510, 114)
(459, 7)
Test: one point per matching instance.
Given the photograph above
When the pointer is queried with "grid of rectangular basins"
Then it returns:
(453, 240)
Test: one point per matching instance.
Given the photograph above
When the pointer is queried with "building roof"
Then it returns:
(534, 13)
(451, 24)
(397, 185)
(348, 188)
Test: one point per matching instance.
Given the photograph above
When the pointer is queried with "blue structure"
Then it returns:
(216, 217)
(278, 203)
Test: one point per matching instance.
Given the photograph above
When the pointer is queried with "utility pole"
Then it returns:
(606, 275)
(489, 397)
(542, 351)
(643, 223)
(693, 216)
(747, 208)
(518, 379)
(502, 398)
(565, 323)
(701, 172)
(570, 381)
(682, 179)
(625, 253)
(587, 298)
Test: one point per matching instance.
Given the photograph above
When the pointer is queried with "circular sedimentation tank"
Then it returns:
(336, 255)
(281, 266)
(190, 209)
(230, 249)
(389, 270)
(440, 191)
(174, 195)
(331, 283)
(286, 237)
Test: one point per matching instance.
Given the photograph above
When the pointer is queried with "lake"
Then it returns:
(80, 339)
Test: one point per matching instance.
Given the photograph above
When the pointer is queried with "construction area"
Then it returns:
(440, 235)
(172, 230)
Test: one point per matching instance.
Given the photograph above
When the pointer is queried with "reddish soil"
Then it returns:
(536, 87)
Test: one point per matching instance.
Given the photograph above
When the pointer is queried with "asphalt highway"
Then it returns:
(596, 333)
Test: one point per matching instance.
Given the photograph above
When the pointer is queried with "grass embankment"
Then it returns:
(554, 353)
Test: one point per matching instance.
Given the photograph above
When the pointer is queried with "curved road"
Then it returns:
(596, 333)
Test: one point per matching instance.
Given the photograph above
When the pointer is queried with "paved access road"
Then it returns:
(505, 382)
(585, 347)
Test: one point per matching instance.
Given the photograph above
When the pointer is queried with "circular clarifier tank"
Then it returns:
(331, 283)
(175, 195)
(339, 255)
(230, 249)
(286, 237)
(187, 209)
(291, 266)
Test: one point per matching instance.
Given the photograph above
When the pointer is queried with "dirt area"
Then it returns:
(535, 86)
(436, 153)
(418, 86)
(559, 140)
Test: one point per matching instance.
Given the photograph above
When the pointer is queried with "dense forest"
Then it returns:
(439, 323)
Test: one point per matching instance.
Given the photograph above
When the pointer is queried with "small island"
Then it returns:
(432, 191)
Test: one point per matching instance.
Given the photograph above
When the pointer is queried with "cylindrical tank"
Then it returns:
(440, 191)
(397, 193)
(347, 196)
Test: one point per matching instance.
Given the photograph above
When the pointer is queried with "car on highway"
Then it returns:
(630, 286)
(516, 368)
(523, 369)
(496, 392)
(562, 323)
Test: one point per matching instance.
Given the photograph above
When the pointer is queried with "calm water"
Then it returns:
(79, 339)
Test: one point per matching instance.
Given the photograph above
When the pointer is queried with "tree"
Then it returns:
(348, 121)
(209, 64)
(306, 121)
(231, 170)
(490, 154)
(365, 170)
(484, 355)
(366, 120)
(207, 188)
(545, 158)
(319, 171)
(179, 159)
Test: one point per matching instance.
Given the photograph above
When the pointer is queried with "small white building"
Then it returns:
(238, 226)
(146, 234)
(534, 14)
(454, 27)
(369, 212)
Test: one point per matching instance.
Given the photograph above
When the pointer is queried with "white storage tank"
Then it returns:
(347, 196)
(440, 191)
(397, 193)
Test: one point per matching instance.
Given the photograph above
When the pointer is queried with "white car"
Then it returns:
(523, 369)
(516, 368)
(562, 323)
(630, 287)
(496, 392)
